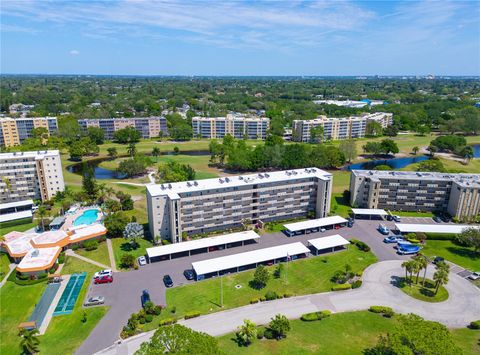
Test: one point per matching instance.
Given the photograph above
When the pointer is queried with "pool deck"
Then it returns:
(70, 219)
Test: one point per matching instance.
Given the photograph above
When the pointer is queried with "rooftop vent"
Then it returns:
(260, 176)
(189, 184)
(35, 252)
(267, 175)
(169, 186)
(227, 179)
(162, 187)
(195, 183)
(240, 178)
(221, 181)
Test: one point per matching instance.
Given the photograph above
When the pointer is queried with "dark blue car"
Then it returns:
(145, 297)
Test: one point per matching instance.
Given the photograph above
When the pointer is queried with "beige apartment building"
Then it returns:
(148, 127)
(30, 175)
(457, 194)
(13, 131)
(339, 128)
(238, 126)
(203, 206)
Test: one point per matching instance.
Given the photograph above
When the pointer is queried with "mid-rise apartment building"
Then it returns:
(30, 175)
(203, 206)
(339, 128)
(457, 194)
(238, 126)
(148, 127)
(13, 131)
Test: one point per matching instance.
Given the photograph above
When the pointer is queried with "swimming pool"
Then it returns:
(87, 217)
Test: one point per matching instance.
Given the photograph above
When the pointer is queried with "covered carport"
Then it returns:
(204, 245)
(327, 244)
(314, 225)
(248, 260)
(433, 228)
(369, 213)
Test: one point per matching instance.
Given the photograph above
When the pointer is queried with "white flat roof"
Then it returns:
(38, 259)
(201, 243)
(91, 230)
(369, 211)
(31, 154)
(173, 189)
(250, 257)
(18, 243)
(16, 204)
(314, 223)
(328, 242)
(49, 237)
(6, 217)
(434, 228)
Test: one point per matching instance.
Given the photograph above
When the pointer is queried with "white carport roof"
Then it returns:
(201, 243)
(369, 211)
(328, 242)
(433, 228)
(314, 223)
(16, 204)
(7, 217)
(248, 258)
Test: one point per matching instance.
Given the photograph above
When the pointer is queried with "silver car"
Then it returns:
(474, 276)
(94, 301)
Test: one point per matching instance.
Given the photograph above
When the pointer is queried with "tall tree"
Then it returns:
(89, 183)
(247, 332)
(156, 153)
(349, 148)
(30, 342)
(280, 325)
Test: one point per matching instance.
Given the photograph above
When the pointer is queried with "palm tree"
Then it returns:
(156, 153)
(29, 343)
(440, 277)
(42, 213)
(416, 267)
(424, 261)
(247, 332)
(415, 150)
(131, 149)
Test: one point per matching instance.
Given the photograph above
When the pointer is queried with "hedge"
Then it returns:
(148, 318)
(192, 314)
(440, 236)
(310, 317)
(475, 324)
(269, 334)
(385, 311)
(27, 281)
(254, 300)
(342, 287)
(260, 332)
(167, 321)
(271, 295)
(356, 284)
(360, 245)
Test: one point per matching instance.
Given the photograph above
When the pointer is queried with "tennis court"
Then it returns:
(70, 294)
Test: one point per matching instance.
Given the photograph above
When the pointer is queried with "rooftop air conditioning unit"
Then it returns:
(169, 186)
(195, 183)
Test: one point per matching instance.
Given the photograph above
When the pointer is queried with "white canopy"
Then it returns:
(16, 215)
(434, 228)
(328, 242)
(314, 223)
(201, 243)
(16, 204)
(251, 257)
(369, 211)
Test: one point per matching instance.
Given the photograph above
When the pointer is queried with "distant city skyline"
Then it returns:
(241, 38)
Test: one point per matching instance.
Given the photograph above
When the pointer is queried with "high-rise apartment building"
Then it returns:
(30, 175)
(338, 128)
(13, 131)
(203, 206)
(148, 127)
(238, 126)
(457, 194)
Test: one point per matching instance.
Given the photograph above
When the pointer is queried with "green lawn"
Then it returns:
(341, 181)
(4, 263)
(412, 214)
(100, 254)
(340, 206)
(122, 246)
(459, 255)
(341, 333)
(22, 227)
(305, 276)
(74, 265)
(427, 293)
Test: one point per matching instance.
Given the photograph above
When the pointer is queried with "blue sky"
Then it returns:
(240, 37)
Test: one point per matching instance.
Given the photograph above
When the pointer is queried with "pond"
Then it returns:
(102, 173)
(394, 163)
(476, 150)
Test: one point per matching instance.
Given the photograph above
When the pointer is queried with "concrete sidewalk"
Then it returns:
(111, 256)
(11, 267)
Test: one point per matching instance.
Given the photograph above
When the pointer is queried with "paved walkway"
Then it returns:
(111, 256)
(53, 305)
(70, 252)
(11, 267)
(462, 306)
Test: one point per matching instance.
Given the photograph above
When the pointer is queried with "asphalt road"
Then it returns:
(123, 295)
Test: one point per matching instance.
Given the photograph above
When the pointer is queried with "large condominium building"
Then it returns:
(339, 128)
(148, 127)
(204, 206)
(238, 126)
(30, 175)
(13, 131)
(457, 194)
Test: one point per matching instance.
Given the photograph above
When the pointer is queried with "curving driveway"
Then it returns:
(462, 306)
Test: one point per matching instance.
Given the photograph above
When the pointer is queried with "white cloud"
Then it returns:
(74, 52)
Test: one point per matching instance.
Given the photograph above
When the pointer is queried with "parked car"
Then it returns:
(106, 272)
(145, 297)
(188, 274)
(383, 229)
(396, 218)
(167, 280)
(350, 222)
(322, 230)
(389, 217)
(142, 260)
(103, 279)
(437, 219)
(474, 276)
(93, 301)
(438, 259)
(445, 218)
(392, 239)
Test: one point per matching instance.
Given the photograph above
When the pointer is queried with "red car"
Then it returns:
(103, 279)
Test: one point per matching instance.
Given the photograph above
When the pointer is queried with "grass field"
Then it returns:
(4, 263)
(122, 246)
(413, 214)
(459, 255)
(100, 254)
(426, 293)
(341, 333)
(18, 227)
(305, 276)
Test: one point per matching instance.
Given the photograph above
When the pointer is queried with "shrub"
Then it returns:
(475, 324)
(356, 284)
(260, 333)
(262, 299)
(269, 334)
(90, 245)
(157, 310)
(127, 260)
(440, 236)
(341, 287)
(61, 258)
(167, 321)
(148, 318)
(192, 314)
(359, 273)
(385, 311)
(389, 313)
(271, 295)
(254, 300)
(360, 245)
(141, 320)
(287, 295)
(165, 242)
(75, 247)
(310, 317)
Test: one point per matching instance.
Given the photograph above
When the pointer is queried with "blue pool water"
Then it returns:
(476, 150)
(87, 217)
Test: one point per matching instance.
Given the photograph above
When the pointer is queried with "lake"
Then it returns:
(476, 150)
(394, 163)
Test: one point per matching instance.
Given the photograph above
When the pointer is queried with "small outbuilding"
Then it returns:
(327, 244)
(369, 213)
(314, 225)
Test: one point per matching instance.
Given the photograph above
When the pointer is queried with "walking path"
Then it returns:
(111, 256)
(53, 305)
(70, 252)
(11, 268)
(462, 306)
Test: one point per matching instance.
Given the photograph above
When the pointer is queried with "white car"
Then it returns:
(106, 272)
(474, 276)
(93, 301)
(142, 260)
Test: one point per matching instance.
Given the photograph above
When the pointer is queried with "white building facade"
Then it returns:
(238, 126)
